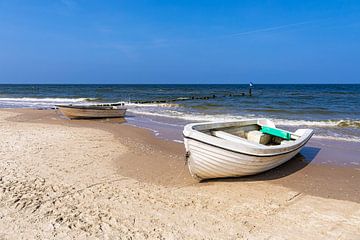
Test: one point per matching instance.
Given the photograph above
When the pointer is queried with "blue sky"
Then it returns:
(88, 41)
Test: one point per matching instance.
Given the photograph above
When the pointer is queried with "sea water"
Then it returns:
(333, 111)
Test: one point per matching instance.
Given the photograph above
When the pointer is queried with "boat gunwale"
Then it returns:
(93, 107)
(250, 151)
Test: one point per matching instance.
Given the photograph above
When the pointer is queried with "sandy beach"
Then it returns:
(64, 179)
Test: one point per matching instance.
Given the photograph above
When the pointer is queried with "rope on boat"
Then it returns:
(187, 155)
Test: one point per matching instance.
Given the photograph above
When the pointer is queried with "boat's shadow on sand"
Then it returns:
(300, 161)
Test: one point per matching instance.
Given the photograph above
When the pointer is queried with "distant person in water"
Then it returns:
(250, 88)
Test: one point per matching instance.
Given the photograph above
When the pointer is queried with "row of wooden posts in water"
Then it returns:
(191, 98)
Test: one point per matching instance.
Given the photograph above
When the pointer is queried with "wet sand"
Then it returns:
(103, 179)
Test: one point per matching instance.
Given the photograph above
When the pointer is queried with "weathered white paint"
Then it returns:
(214, 157)
(96, 112)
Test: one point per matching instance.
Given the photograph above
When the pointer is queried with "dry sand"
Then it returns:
(79, 179)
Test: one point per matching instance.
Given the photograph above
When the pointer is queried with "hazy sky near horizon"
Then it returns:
(203, 41)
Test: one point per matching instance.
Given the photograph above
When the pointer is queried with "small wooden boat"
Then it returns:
(107, 110)
(239, 148)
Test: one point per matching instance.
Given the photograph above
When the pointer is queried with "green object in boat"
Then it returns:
(276, 132)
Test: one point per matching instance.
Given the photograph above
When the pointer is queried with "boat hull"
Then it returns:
(221, 149)
(206, 161)
(84, 113)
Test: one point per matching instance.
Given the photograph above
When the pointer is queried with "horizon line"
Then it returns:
(179, 83)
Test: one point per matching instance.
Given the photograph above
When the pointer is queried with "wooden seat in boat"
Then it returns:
(233, 138)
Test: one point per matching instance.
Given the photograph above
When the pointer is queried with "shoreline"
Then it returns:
(310, 172)
(103, 179)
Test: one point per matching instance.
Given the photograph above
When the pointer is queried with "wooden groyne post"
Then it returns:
(180, 99)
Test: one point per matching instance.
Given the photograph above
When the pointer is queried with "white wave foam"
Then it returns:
(130, 104)
(280, 122)
(345, 139)
(189, 117)
(228, 117)
(155, 132)
(40, 100)
(286, 122)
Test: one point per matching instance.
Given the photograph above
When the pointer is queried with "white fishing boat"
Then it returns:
(239, 148)
(106, 110)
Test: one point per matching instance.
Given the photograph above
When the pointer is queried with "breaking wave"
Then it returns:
(24, 99)
(41, 102)
(221, 117)
(341, 130)
(348, 123)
